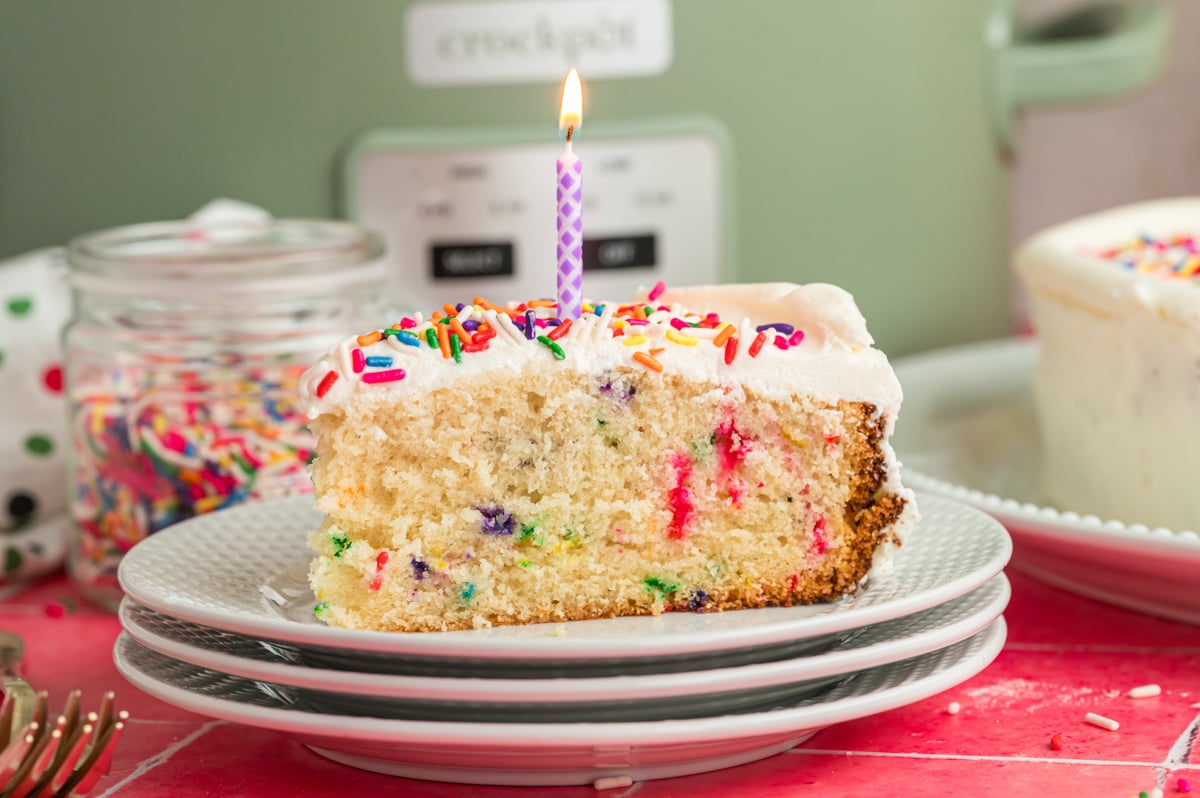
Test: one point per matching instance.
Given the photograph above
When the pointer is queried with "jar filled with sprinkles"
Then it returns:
(182, 359)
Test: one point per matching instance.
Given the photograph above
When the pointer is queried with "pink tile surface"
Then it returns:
(1066, 656)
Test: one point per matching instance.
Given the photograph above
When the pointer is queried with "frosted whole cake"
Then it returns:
(703, 449)
(1115, 300)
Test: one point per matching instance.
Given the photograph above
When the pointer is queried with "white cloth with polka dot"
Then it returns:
(34, 306)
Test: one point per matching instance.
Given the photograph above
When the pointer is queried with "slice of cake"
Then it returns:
(702, 449)
(1115, 300)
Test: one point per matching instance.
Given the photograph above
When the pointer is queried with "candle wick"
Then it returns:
(570, 132)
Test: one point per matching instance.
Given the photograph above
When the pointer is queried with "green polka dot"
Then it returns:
(38, 444)
(20, 305)
(12, 560)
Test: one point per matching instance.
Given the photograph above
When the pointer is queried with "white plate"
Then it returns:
(641, 697)
(968, 432)
(556, 753)
(218, 569)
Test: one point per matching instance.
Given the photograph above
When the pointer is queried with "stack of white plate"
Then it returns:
(219, 620)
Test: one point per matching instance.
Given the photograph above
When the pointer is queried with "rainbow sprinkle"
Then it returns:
(649, 329)
(757, 346)
(155, 446)
(545, 341)
(391, 375)
(1174, 257)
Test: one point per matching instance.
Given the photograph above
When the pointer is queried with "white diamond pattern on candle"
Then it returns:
(570, 236)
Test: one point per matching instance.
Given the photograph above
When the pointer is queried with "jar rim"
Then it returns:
(217, 258)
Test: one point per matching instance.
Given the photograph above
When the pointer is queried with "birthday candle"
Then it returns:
(570, 205)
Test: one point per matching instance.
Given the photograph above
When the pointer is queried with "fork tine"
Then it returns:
(32, 783)
(72, 731)
(12, 757)
(71, 708)
(65, 753)
(40, 710)
(72, 758)
(100, 767)
(19, 783)
(100, 738)
(104, 715)
(97, 762)
(67, 758)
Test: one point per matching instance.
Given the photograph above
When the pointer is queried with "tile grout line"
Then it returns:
(146, 765)
(974, 758)
(1178, 755)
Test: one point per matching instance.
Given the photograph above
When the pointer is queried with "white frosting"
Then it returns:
(834, 361)
(1117, 387)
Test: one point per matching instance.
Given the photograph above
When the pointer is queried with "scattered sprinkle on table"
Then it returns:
(953, 708)
(1183, 785)
(1056, 742)
(1099, 720)
(1145, 691)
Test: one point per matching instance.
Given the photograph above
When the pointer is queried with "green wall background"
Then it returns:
(874, 166)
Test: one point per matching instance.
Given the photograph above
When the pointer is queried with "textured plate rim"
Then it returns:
(1011, 511)
(543, 736)
(434, 644)
(691, 684)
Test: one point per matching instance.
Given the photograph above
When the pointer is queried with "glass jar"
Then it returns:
(182, 359)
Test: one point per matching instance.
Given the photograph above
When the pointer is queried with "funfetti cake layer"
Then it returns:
(1115, 299)
(701, 449)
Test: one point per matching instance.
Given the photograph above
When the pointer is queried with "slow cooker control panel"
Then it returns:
(463, 218)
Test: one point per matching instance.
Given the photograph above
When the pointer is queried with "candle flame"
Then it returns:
(570, 115)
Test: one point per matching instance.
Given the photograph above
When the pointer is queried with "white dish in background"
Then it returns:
(968, 432)
(185, 571)
(557, 753)
(651, 696)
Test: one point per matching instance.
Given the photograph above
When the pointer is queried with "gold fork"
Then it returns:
(65, 759)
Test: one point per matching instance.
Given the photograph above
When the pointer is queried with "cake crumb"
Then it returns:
(613, 782)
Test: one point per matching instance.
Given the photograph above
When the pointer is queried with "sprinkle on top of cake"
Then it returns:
(794, 328)
(1173, 257)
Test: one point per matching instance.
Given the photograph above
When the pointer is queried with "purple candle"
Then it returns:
(570, 205)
